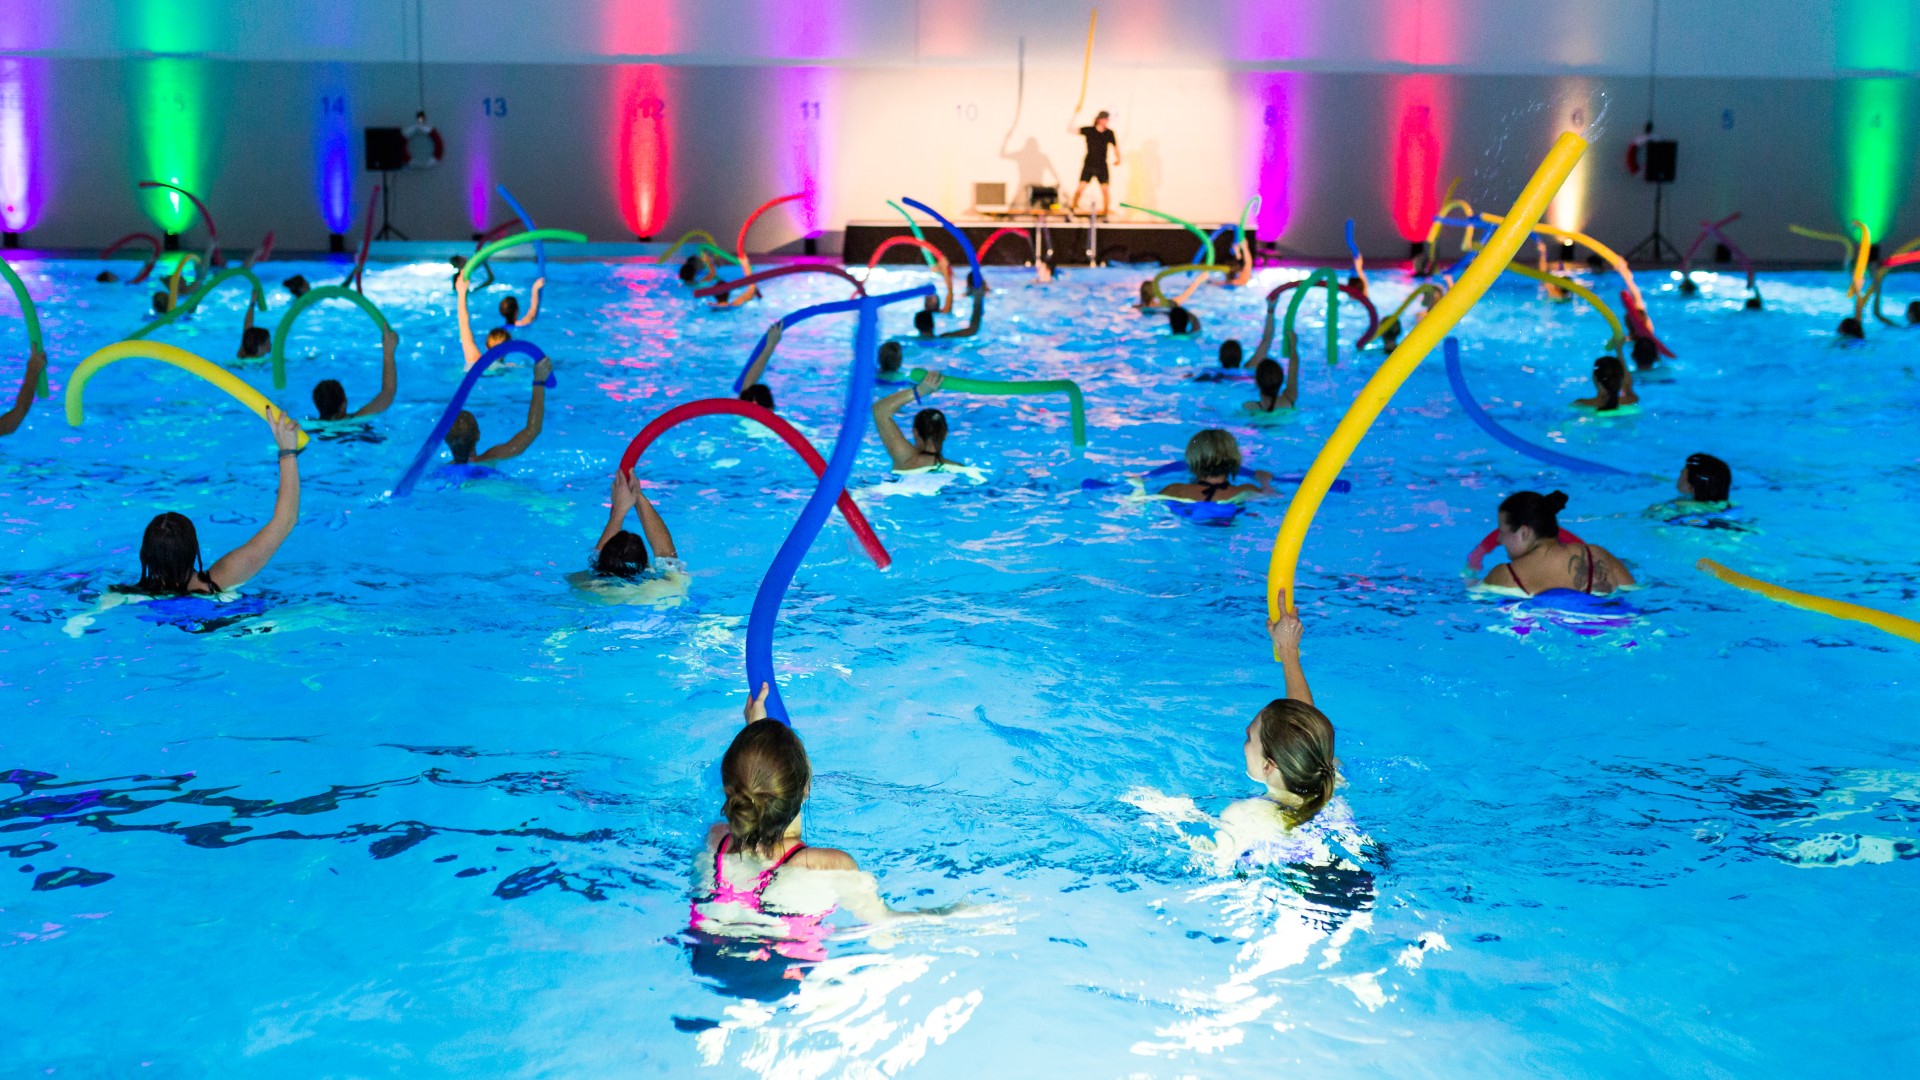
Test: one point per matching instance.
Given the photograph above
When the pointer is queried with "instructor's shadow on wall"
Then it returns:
(1034, 167)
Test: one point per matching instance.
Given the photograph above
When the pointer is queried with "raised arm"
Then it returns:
(898, 447)
(241, 352)
(652, 525)
(973, 322)
(238, 566)
(1286, 631)
(468, 346)
(621, 502)
(389, 380)
(23, 402)
(1266, 334)
(758, 365)
(1291, 395)
(536, 415)
(533, 305)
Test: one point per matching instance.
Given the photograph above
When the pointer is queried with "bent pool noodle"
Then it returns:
(966, 245)
(1240, 229)
(1839, 609)
(28, 313)
(1203, 269)
(213, 234)
(357, 276)
(794, 318)
(1353, 246)
(680, 414)
(833, 482)
(913, 225)
(1457, 378)
(1188, 225)
(169, 354)
(1619, 330)
(1216, 234)
(1289, 340)
(711, 245)
(516, 240)
(1707, 228)
(994, 237)
(1499, 250)
(302, 303)
(539, 247)
(192, 300)
(151, 259)
(722, 288)
(430, 447)
(936, 261)
(999, 388)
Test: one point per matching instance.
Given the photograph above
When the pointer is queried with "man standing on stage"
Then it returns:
(1099, 138)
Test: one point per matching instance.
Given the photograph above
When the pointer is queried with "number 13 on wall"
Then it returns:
(494, 106)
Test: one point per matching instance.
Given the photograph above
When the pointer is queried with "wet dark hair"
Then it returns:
(161, 302)
(498, 335)
(690, 269)
(1645, 353)
(1179, 319)
(1231, 354)
(1298, 739)
(930, 427)
(1146, 294)
(1270, 377)
(331, 399)
(462, 437)
(1532, 510)
(509, 308)
(169, 556)
(256, 341)
(1688, 286)
(1850, 328)
(297, 285)
(1354, 284)
(891, 355)
(624, 555)
(1611, 375)
(106, 275)
(1709, 477)
(1913, 312)
(759, 395)
(457, 261)
(765, 775)
(923, 323)
(1390, 336)
(1753, 303)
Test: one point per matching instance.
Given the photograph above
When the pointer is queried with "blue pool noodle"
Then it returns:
(539, 246)
(813, 516)
(787, 322)
(1353, 246)
(1501, 435)
(428, 448)
(966, 245)
(1200, 253)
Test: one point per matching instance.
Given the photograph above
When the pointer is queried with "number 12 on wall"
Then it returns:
(494, 106)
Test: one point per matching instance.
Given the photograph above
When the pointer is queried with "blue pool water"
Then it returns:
(417, 807)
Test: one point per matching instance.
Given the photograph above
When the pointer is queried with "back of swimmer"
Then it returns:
(464, 437)
(1275, 393)
(1181, 322)
(330, 398)
(621, 554)
(1614, 383)
(1705, 486)
(1529, 530)
(1213, 458)
(891, 358)
(928, 447)
(758, 394)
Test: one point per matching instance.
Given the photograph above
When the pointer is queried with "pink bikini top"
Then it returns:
(803, 934)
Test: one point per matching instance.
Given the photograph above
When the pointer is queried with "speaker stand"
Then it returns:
(387, 231)
(1656, 246)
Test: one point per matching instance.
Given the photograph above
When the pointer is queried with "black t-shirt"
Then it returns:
(1097, 143)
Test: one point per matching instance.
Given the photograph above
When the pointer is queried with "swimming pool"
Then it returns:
(422, 808)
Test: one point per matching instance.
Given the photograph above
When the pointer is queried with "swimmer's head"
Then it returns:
(498, 336)
(1179, 320)
(510, 309)
(923, 323)
(1211, 453)
(462, 437)
(1753, 304)
(930, 430)
(1688, 287)
(161, 302)
(1289, 748)
(255, 341)
(1645, 354)
(929, 302)
(1528, 517)
(1913, 311)
(457, 261)
(1231, 353)
(624, 555)
(169, 555)
(1355, 285)
(297, 285)
(106, 275)
(891, 355)
(1851, 329)
(1146, 294)
(1100, 120)
(1390, 337)
(1705, 478)
(759, 395)
(765, 775)
(330, 398)
(1270, 377)
(689, 270)
(1609, 375)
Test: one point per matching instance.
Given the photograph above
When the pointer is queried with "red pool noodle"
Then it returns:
(740, 242)
(720, 289)
(734, 407)
(366, 242)
(1908, 259)
(946, 267)
(212, 233)
(266, 249)
(128, 239)
(997, 234)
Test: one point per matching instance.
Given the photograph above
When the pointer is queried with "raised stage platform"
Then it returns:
(1075, 242)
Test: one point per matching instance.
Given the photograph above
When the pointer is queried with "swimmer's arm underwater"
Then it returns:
(536, 415)
(238, 566)
(533, 306)
(10, 420)
(389, 381)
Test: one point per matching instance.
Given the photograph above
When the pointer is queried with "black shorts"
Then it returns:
(1094, 170)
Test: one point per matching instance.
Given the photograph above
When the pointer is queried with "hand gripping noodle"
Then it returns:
(1493, 257)
(998, 388)
(180, 358)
